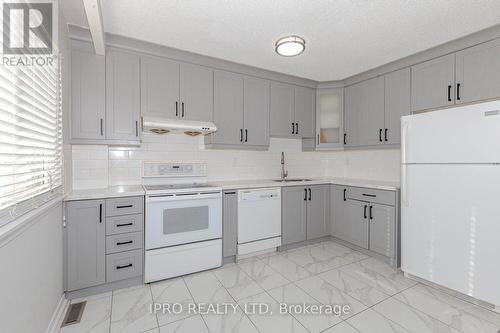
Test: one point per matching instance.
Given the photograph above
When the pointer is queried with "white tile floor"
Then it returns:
(381, 299)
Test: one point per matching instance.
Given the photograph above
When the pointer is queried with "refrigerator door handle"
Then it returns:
(404, 185)
(404, 135)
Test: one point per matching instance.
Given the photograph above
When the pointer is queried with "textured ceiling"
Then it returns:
(343, 37)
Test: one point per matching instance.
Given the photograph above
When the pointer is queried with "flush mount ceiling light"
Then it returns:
(290, 46)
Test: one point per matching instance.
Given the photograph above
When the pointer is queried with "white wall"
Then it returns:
(99, 166)
(31, 279)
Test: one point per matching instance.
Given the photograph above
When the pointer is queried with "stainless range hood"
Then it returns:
(161, 125)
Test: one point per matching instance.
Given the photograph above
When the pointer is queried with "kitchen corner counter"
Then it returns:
(106, 192)
(247, 184)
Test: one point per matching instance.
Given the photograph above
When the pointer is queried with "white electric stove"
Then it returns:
(183, 222)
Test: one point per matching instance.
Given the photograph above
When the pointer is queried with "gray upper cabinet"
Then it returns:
(305, 100)
(329, 118)
(88, 99)
(228, 108)
(397, 103)
(256, 111)
(229, 223)
(282, 110)
(86, 243)
(122, 96)
(318, 211)
(478, 72)
(294, 214)
(357, 218)
(196, 92)
(364, 113)
(159, 87)
(432, 83)
(382, 229)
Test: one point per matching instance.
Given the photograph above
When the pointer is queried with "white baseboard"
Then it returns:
(58, 315)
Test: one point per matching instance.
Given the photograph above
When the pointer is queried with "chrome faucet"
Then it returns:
(284, 173)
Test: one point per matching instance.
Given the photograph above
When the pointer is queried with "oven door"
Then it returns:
(182, 218)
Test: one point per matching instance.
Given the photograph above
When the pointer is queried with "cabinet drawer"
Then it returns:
(372, 195)
(123, 242)
(124, 265)
(124, 206)
(123, 224)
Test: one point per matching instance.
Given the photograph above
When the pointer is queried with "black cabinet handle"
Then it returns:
(458, 91)
(125, 243)
(310, 194)
(371, 215)
(124, 206)
(305, 194)
(293, 128)
(364, 212)
(100, 213)
(246, 135)
(136, 128)
(296, 128)
(449, 93)
(124, 224)
(318, 139)
(345, 190)
(176, 108)
(345, 138)
(241, 135)
(182, 106)
(385, 135)
(102, 126)
(124, 266)
(369, 195)
(380, 135)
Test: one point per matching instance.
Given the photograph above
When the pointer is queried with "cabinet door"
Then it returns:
(159, 87)
(397, 103)
(305, 101)
(229, 223)
(88, 96)
(86, 243)
(282, 110)
(197, 93)
(478, 72)
(432, 83)
(123, 109)
(293, 222)
(339, 221)
(228, 112)
(329, 118)
(382, 229)
(357, 217)
(256, 111)
(365, 113)
(318, 211)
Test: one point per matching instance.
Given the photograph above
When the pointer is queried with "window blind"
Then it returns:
(30, 138)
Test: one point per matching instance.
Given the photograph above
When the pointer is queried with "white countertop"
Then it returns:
(106, 192)
(133, 190)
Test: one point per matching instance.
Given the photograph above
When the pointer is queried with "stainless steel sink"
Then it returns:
(288, 180)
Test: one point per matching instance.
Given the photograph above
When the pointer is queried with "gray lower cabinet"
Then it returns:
(88, 97)
(123, 108)
(86, 242)
(293, 214)
(432, 83)
(382, 229)
(357, 219)
(305, 213)
(318, 211)
(229, 223)
(478, 72)
(104, 240)
(339, 222)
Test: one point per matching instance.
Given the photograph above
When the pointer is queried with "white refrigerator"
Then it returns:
(450, 199)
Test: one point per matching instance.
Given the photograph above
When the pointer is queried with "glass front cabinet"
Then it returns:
(329, 118)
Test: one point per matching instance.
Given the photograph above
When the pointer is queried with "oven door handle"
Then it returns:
(176, 197)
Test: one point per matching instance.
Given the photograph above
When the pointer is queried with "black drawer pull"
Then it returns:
(124, 266)
(369, 195)
(125, 243)
(124, 224)
(125, 206)
(229, 192)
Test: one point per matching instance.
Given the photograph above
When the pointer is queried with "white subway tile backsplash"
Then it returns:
(100, 166)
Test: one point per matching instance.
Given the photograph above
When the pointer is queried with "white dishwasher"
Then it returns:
(259, 220)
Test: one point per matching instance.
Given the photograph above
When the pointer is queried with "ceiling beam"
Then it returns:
(96, 26)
